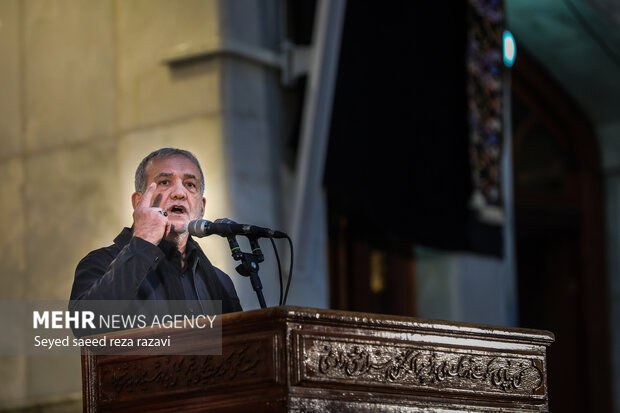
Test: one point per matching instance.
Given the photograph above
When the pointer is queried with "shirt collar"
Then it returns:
(192, 252)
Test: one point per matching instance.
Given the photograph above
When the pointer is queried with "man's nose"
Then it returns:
(178, 191)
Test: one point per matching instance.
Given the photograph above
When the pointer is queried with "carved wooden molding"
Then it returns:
(314, 405)
(251, 361)
(420, 368)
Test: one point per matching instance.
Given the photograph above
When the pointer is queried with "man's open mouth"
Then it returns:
(176, 209)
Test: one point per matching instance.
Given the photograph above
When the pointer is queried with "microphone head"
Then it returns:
(198, 227)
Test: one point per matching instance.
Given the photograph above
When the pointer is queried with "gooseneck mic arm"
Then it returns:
(249, 267)
(202, 228)
(249, 261)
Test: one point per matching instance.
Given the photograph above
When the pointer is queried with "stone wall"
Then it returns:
(85, 95)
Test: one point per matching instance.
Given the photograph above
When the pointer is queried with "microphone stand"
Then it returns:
(249, 264)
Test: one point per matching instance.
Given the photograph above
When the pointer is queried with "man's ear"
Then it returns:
(202, 208)
(135, 199)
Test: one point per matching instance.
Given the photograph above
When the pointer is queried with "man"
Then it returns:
(156, 259)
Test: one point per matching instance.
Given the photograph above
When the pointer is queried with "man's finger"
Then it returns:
(145, 201)
(157, 201)
(169, 229)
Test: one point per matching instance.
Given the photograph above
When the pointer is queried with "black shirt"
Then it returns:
(135, 269)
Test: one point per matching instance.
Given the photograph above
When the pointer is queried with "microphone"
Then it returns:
(202, 228)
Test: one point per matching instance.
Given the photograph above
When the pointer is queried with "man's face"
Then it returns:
(178, 189)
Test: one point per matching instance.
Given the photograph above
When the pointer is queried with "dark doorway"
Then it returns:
(369, 272)
(560, 238)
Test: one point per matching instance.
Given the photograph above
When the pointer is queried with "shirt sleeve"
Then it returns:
(102, 276)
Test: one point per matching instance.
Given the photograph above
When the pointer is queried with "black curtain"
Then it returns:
(398, 157)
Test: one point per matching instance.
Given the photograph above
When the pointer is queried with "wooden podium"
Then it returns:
(297, 359)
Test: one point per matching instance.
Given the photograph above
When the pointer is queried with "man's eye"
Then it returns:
(163, 182)
(191, 185)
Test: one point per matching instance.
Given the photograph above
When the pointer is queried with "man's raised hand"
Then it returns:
(149, 221)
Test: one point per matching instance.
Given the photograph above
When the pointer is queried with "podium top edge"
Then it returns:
(317, 315)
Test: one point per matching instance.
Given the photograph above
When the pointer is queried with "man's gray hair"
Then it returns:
(140, 179)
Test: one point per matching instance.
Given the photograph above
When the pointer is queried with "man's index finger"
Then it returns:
(145, 201)
(157, 201)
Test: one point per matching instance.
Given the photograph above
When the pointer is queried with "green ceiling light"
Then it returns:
(510, 48)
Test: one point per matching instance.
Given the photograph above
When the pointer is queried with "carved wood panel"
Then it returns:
(415, 367)
(245, 362)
